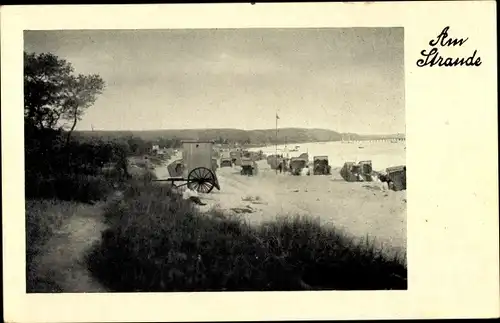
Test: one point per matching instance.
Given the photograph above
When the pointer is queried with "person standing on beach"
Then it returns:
(280, 167)
(305, 171)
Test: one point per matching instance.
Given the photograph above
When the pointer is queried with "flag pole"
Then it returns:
(276, 141)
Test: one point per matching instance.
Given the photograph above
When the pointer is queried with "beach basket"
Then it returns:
(274, 161)
(397, 175)
(226, 162)
(321, 166)
(248, 166)
(366, 170)
(297, 164)
(304, 156)
(236, 158)
(176, 168)
(350, 171)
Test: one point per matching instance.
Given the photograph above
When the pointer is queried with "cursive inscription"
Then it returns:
(432, 57)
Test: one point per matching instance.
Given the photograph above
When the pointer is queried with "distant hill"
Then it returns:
(254, 137)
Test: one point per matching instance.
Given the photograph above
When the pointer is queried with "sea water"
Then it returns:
(382, 154)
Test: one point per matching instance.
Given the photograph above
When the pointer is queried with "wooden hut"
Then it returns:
(197, 153)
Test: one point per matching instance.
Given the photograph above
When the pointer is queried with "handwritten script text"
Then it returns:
(432, 57)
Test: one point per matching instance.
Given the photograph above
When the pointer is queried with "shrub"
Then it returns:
(157, 242)
(73, 170)
(71, 187)
(328, 258)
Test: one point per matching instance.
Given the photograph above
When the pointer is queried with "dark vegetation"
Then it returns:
(60, 163)
(62, 169)
(156, 241)
(57, 166)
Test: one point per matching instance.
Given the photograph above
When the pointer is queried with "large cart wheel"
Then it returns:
(201, 179)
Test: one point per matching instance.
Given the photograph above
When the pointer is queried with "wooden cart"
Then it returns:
(198, 169)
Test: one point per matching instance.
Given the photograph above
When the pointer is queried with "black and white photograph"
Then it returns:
(195, 160)
(247, 162)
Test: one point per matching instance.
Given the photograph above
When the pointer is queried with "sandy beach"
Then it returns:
(359, 208)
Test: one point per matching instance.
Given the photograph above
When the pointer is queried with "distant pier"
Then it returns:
(358, 141)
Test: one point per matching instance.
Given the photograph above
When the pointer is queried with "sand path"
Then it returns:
(63, 258)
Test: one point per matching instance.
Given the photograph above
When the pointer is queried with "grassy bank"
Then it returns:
(158, 242)
(48, 221)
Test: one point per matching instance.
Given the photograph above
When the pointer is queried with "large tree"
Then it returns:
(53, 95)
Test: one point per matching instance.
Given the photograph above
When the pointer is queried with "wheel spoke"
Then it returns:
(201, 179)
(206, 187)
(194, 173)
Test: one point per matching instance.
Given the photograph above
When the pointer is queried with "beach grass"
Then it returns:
(158, 242)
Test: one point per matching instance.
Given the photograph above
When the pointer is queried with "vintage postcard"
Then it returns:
(249, 161)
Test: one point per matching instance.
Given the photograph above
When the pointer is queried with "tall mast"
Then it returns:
(276, 140)
(286, 147)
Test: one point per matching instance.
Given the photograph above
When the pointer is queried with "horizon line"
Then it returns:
(238, 129)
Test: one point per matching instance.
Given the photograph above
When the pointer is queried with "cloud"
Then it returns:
(161, 78)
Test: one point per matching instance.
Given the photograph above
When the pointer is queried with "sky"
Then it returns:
(343, 79)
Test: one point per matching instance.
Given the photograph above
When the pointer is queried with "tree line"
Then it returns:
(55, 100)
